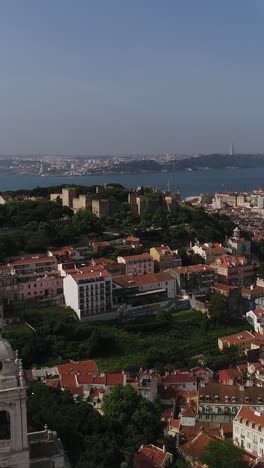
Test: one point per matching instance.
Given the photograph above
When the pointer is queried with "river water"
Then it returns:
(189, 182)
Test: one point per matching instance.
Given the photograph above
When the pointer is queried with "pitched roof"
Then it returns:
(26, 261)
(250, 415)
(91, 274)
(137, 257)
(237, 338)
(231, 261)
(192, 269)
(154, 454)
(178, 379)
(83, 367)
(242, 394)
(175, 423)
(197, 445)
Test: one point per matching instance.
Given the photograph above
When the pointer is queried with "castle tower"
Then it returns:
(14, 450)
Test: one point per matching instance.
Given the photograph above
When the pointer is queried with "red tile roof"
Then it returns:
(175, 423)
(249, 414)
(91, 274)
(132, 281)
(83, 367)
(254, 291)
(178, 379)
(192, 269)
(224, 287)
(137, 257)
(154, 454)
(68, 381)
(30, 260)
(237, 338)
(133, 239)
(197, 445)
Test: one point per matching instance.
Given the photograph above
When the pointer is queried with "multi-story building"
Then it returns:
(238, 245)
(209, 251)
(144, 288)
(219, 402)
(36, 288)
(248, 430)
(234, 270)
(137, 264)
(63, 254)
(88, 293)
(256, 319)
(193, 278)
(67, 196)
(165, 258)
(34, 266)
(243, 340)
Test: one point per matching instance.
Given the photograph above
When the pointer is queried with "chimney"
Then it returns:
(164, 448)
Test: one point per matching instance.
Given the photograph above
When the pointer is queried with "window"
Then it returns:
(4, 425)
(248, 445)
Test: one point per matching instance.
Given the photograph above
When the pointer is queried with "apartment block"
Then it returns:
(193, 278)
(88, 293)
(165, 258)
(248, 430)
(33, 266)
(137, 264)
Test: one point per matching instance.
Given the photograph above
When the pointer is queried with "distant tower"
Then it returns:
(232, 149)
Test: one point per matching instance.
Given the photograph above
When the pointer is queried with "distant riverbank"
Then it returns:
(189, 183)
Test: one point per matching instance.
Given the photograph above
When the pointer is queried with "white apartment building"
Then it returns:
(248, 430)
(137, 264)
(209, 251)
(88, 293)
(256, 319)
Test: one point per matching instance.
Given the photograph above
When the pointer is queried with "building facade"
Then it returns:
(137, 264)
(88, 293)
(248, 430)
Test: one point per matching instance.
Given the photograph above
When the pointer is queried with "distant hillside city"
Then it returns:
(91, 165)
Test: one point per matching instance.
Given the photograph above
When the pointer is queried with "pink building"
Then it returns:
(40, 287)
(137, 264)
(234, 270)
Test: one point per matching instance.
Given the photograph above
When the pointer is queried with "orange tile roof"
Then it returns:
(223, 287)
(26, 261)
(91, 274)
(83, 367)
(247, 413)
(192, 269)
(138, 257)
(67, 249)
(175, 423)
(153, 453)
(252, 292)
(238, 337)
(131, 280)
(197, 445)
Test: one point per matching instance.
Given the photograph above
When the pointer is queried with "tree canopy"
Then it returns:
(223, 454)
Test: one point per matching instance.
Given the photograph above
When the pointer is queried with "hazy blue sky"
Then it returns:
(127, 76)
